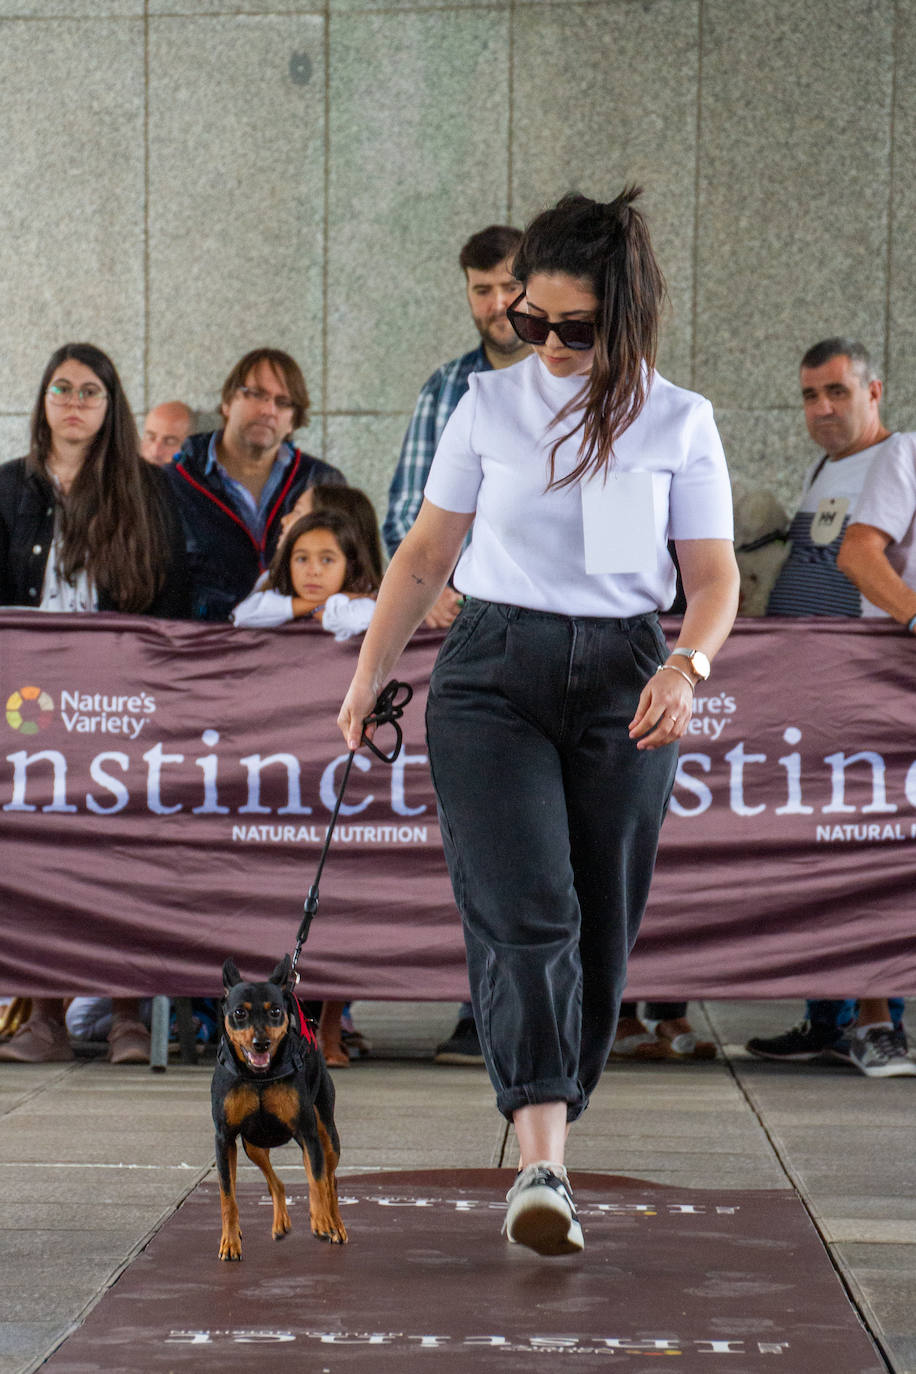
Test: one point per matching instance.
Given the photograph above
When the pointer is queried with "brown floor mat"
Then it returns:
(702, 1282)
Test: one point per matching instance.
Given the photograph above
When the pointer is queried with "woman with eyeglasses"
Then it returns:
(86, 525)
(555, 705)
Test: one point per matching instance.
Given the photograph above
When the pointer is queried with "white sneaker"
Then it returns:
(881, 1053)
(542, 1214)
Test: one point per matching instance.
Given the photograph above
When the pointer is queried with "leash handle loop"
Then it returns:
(388, 710)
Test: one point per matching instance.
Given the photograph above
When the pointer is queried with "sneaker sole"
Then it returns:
(804, 1057)
(887, 1070)
(544, 1225)
(456, 1057)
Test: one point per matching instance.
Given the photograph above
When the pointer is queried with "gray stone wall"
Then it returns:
(181, 180)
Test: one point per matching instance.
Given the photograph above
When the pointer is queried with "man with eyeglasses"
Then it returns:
(486, 260)
(234, 486)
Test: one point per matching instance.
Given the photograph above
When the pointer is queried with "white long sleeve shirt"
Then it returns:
(343, 616)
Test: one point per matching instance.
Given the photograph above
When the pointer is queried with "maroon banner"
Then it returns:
(166, 789)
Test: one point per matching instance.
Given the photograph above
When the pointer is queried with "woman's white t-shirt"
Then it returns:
(528, 544)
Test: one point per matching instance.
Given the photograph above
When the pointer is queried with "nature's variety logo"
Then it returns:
(29, 710)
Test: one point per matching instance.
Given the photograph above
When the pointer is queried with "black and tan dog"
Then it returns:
(271, 1085)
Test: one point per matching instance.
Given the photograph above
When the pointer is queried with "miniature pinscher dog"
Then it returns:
(271, 1085)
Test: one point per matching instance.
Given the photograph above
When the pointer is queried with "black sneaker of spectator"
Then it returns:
(462, 1046)
(805, 1041)
(842, 1050)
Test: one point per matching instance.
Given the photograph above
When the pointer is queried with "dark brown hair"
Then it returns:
(355, 504)
(282, 364)
(608, 246)
(112, 518)
(489, 247)
(360, 576)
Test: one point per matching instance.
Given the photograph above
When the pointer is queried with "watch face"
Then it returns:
(700, 664)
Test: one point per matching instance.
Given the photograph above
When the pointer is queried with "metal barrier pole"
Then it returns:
(159, 1035)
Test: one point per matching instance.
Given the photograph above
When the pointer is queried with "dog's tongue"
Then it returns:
(259, 1059)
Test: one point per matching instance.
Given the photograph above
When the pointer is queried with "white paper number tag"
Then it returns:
(827, 520)
(618, 522)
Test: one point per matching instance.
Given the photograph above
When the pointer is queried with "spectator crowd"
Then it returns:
(238, 524)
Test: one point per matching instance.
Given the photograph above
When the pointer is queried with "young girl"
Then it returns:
(323, 568)
(348, 501)
(555, 705)
(321, 571)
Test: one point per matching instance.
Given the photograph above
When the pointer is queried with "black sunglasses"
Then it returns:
(534, 329)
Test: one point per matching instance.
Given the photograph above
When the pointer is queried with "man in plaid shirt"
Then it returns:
(486, 260)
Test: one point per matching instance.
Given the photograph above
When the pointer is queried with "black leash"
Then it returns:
(388, 709)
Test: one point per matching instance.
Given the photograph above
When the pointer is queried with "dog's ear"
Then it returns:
(231, 975)
(283, 973)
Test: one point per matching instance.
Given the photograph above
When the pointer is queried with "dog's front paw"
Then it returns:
(230, 1246)
(326, 1228)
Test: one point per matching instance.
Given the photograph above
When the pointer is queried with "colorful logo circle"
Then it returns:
(29, 710)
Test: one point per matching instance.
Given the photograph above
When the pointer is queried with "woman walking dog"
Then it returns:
(555, 705)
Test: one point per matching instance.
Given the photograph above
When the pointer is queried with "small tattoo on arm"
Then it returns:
(418, 580)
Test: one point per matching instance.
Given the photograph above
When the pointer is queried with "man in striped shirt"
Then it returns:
(841, 394)
(486, 260)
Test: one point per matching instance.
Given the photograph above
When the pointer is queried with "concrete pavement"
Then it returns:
(93, 1158)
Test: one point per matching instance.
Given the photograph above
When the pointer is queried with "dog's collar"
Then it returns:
(289, 1061)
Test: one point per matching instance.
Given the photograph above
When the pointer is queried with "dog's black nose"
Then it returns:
(260, 1044)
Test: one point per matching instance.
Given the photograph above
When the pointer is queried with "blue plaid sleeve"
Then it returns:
(435, 404)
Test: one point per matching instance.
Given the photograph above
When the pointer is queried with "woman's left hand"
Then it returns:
(710, 576)
(664, 711)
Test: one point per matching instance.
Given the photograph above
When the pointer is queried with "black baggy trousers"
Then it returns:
(550, 819)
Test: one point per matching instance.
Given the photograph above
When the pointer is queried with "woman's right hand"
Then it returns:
(415, 577)
(357, 705)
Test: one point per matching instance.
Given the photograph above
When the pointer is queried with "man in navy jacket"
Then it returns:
(234, 486)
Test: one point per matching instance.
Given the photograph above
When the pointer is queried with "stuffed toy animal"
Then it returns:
(761, 545)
